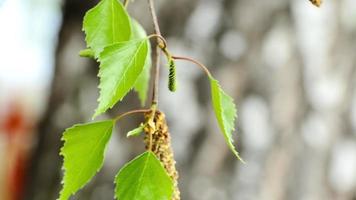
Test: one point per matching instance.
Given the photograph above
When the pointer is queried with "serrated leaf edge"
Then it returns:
(133, 160)
(92, 10)
(97, 111)
(230, 140)
(148, 64)
(64, 156)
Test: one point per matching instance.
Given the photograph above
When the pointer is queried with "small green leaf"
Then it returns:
(225, 112)
(105, 24)
(83, 152)
(137, 131)
(144, 178)
(121, 65)
(87, 53)
(142, 83)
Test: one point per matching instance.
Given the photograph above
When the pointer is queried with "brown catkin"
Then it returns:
(316, 2)
(161, 146)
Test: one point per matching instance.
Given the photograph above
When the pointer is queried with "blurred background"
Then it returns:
(290, 67)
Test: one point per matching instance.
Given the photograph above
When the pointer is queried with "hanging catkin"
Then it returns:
(161, 147)
(316, 2)
(172, 79)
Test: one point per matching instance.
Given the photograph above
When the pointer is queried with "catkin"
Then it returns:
(316, 2)
(172, 76)
(161, 146)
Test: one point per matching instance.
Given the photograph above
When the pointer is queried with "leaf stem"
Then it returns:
(130, 113)
(199, 64)
(126, 3)
(156, 53)
(163, 42)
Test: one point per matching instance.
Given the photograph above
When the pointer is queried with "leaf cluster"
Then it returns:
(121, 46)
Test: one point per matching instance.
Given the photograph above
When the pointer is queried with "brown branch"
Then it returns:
(156, 53)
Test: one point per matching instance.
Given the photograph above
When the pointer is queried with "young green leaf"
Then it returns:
(142, 83)
(121, 65)
(144, 178)
(106, 24)
(137, 131)
(225, 112)
(83, 152)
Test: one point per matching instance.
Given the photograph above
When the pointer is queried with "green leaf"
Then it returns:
(121, 65)
(142, 83)
(144, 178)
(137, 131)
(225, 112)
(83, 152)
(105, 24)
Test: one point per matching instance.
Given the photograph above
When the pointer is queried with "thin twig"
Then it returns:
(132, 112)
(126, 3)
(155, 63)
(156, 53)
(203, 67)
(162, 44)
(154, 17)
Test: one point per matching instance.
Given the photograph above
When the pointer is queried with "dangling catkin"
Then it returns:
(316, 2)
(172, 79)
(161, 147)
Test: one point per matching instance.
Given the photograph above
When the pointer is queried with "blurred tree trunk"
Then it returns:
(44, 173)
